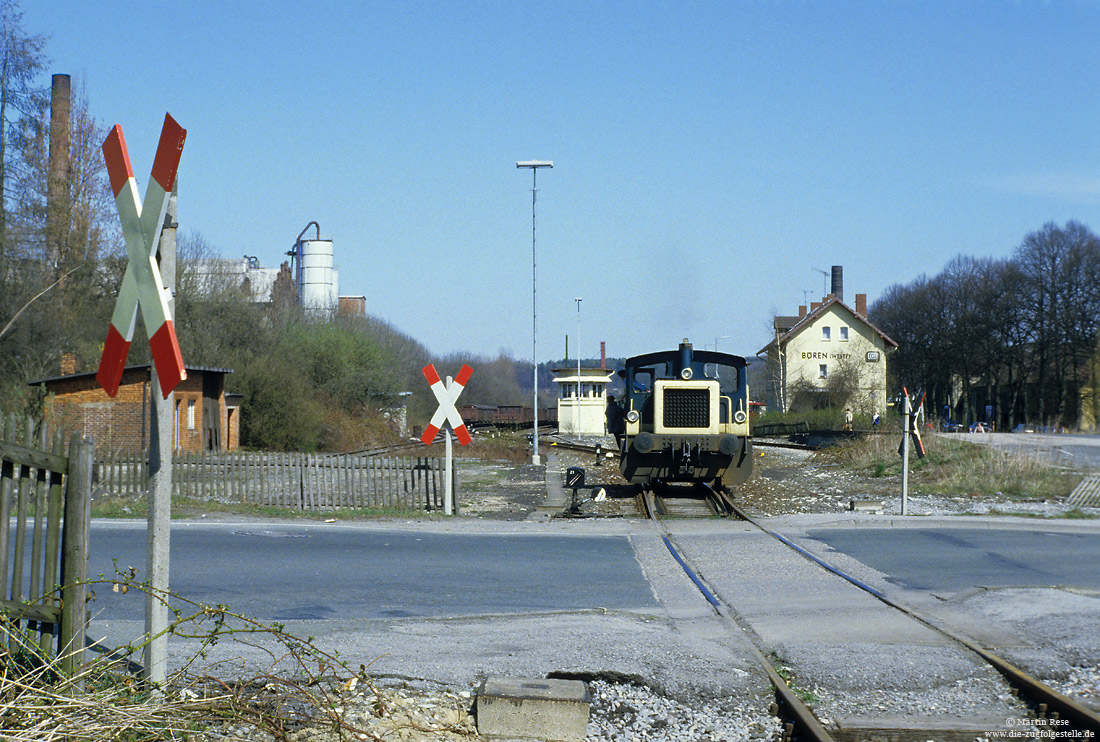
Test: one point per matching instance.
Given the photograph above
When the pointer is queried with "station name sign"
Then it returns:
(817, 355)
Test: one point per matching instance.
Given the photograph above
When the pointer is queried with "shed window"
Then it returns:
(190, 414)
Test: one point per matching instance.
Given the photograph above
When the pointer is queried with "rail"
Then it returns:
(801, 718)
(1045, 699)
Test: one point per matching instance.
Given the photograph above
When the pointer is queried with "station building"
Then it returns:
(828, 355)
(582, 400)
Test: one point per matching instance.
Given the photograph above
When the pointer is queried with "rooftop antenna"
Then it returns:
(824, 282)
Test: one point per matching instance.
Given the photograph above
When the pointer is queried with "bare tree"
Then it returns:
(1022, 331)
(20, 64)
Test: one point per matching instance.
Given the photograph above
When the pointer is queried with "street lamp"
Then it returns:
(721, 337)
(577, 429)
(534, 165)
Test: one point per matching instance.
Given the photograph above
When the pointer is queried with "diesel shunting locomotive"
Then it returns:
(685, 418)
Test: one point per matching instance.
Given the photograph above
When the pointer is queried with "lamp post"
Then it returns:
(721, 337)
(577, 429)
(534, 166)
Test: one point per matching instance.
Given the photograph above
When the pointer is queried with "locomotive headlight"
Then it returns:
(686, 374)
(740, 417)
(632, 416)
(643, 443)
(727, 445)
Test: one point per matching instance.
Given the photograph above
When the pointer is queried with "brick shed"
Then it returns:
(204, 419)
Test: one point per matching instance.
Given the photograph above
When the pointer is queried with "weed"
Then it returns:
(953, 466)
(788, 676)
(302, 686)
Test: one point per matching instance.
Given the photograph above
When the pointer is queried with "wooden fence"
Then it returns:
(48, 491)
(287, 480)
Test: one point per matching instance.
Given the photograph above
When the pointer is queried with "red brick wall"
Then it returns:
(79, 405)
(233, 431)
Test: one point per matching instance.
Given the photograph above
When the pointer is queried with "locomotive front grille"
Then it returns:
(687, 408)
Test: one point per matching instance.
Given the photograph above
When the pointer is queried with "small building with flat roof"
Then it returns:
(582, 400)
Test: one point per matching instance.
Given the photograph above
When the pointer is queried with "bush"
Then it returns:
(279, 412)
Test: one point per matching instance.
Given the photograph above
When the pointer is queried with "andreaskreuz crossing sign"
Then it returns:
(141, 284)
(446, 412)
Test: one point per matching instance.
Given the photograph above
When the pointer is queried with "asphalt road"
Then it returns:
(324, 572)
(955, 559)
(320, 571)
(1067, 449)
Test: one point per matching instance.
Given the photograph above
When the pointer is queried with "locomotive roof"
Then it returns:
(697, 356)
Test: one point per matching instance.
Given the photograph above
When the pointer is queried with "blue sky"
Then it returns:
(708, 157)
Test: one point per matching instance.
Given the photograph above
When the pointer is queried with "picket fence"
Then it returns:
(314, 482)
(45, 488)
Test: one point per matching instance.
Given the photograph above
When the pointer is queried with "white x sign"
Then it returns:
(141, 284)
(446, 412)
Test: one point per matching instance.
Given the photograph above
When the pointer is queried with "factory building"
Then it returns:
(311, 271)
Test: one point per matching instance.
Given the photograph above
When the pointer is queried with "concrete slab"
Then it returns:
(533, 708)
(906, 730)
(557, 497)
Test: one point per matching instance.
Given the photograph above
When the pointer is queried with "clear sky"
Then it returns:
(709, 158)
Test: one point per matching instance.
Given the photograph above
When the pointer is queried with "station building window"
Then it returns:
(825, 333)
(823, 371)
(843, 334)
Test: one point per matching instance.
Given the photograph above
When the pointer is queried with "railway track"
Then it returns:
(392, 448)
(798, 718)
(1057, 711)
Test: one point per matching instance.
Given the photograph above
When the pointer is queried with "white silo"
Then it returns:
(317, 287)
(315, 277)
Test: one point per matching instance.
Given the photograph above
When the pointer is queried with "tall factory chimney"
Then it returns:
(603, 354)
(838, 282)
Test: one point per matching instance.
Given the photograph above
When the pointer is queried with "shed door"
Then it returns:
(211, 419)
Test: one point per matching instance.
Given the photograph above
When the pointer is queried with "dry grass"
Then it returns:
(953, 467)
(508, 447)
(302, 687)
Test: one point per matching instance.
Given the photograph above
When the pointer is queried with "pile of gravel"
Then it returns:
(1082, 683)
(623, 713)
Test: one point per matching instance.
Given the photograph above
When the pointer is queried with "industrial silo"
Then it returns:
(317, 282)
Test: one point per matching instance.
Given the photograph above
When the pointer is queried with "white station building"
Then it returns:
(582, 400)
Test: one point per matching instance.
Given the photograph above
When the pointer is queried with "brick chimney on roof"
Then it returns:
(861, 304)
(68, 363)
(802, 310)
